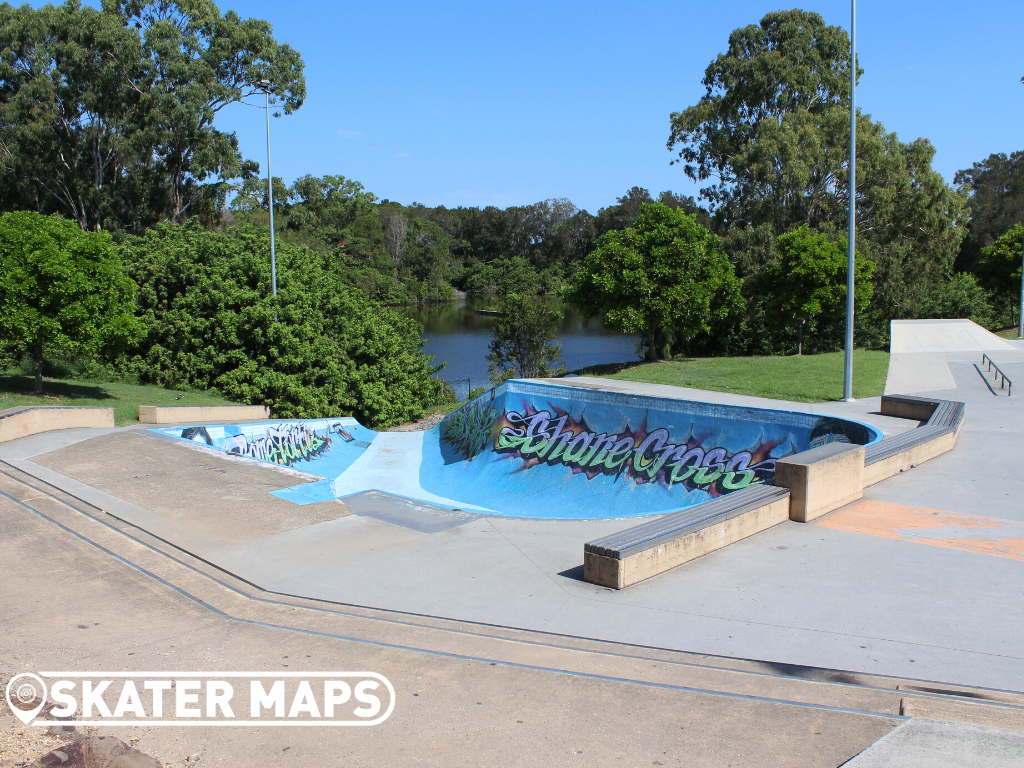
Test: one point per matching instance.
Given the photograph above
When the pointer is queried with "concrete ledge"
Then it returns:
(660, 545)
(31, 420)
(909, 458)
(821, 479)
(901, 407)
(949, 708)
(176, 414)
(943, 421)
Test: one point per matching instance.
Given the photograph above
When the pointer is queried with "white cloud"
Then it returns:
(403, 154)
(346, 134)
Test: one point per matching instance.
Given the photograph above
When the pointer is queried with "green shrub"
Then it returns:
(959, 297)
(321, 348)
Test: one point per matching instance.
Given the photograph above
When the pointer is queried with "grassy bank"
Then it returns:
(805, 379)
(16, 391)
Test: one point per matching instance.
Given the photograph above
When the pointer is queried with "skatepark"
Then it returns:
(455, 558)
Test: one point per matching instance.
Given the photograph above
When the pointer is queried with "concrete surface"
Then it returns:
(795, 596)
(924, 336)
(822, 479)
(922, 743)
(21, 422)
(181, 482)
(79, 608)
(177, 414)
(921, 351)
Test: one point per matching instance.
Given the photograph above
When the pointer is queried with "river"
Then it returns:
(458, 336)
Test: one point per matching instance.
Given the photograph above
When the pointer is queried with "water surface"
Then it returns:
(457, 335)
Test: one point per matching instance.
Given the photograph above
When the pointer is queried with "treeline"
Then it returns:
(107, 120)
(413, 253)
(770, 147)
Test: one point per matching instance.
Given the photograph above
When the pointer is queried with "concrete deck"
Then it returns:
(796, 594)
(921, 352)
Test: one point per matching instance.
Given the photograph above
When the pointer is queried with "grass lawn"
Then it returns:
(1007, 333)
(16, 391)
(805, 379)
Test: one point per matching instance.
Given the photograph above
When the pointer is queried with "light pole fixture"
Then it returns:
(265, 87)
(850, 252)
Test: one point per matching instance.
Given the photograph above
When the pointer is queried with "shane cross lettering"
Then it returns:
(640, 455)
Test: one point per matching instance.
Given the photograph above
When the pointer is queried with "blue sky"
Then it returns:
(475, 103)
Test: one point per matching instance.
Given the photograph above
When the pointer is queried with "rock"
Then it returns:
(96, 752)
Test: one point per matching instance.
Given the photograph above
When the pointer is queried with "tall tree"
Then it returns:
(107, 116)
(195, 62)
(69, 112)
(791, 61)
(664, 271)
(772, 133)
(996, 203)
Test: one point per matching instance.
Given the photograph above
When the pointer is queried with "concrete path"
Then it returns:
(921, 743)
(921, 350)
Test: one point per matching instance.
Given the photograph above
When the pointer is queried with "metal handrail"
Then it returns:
(1005, 381)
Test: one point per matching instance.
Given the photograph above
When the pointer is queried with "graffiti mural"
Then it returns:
(550, 450)
(538, 449)
(286, 444)
(469, 428)
(642, 455)
(553, 437)
(315, 446)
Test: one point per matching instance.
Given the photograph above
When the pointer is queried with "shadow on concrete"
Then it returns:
(576, 574)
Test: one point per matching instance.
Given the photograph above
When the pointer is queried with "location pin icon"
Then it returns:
(22, 692)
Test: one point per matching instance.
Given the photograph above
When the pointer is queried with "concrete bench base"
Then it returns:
(807, 486)
(943, 420)
(31, 420)
(618, 569)
(910, 458)
(821, 479)
(178, 414)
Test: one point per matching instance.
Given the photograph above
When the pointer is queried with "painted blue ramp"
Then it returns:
(531, 449)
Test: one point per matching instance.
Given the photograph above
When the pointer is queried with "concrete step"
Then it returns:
(227, 595)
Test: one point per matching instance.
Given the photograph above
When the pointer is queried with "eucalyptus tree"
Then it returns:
(108, 116)
(771, 138)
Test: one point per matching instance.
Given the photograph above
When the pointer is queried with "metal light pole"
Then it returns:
(850, 252)
(270, 192)
(1020, 307)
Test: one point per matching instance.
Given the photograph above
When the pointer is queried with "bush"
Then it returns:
(960, 297)
(321, 348)
(62, 291)
(524, 344)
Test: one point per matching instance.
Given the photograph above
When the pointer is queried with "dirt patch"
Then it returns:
(419, 426)
(213, 494)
